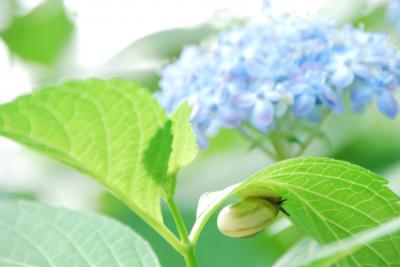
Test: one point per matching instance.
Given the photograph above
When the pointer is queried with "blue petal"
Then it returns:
(298, 89)
(263, 115)
(342, 77)
(304, 105)
(362, 70)
(244, 100)
(328, 93)
(360, 97)
(331, 99)
(387, 104)
(230, 117)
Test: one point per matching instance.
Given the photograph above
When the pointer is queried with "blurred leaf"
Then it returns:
(7, 10)
(40, 235)
(377, 149)
(114, 131)
(41, 35)
(18, 195)
(160, 46)
(226, 140)
(328, 199)
(375, 20)
(309, 253)
(141, 60)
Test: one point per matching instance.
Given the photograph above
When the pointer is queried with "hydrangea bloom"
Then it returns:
(282, 65)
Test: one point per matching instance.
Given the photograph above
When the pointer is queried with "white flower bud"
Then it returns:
(246, 217)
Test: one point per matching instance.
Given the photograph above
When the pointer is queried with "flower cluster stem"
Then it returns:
(313, 135)
(280, 150)
(278, 146)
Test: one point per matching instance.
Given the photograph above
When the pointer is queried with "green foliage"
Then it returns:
(327, 199)
(117, 133)
(309, 253)
(213, 249)
(41, 35)
(40, 235)
(112, 130)
(94, 126)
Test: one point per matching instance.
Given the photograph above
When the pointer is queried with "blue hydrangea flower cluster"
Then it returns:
(282, 65)
(393, 13)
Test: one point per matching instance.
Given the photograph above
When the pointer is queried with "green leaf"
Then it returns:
(114, 131)
(184, 145)
(41, 35)
(308, 253)
(327, 199)
(38, 235)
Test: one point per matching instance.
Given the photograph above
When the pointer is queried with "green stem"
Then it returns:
(180, 225)
(278, 146)
(314, 134)
(251, 139)
(188, 251)
(275, 140)
(190, 257)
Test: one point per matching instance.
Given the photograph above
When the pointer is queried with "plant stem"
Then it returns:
(314, 134)
(248, 137)
(190, 257)
(188, 252)
(278, 146)
(180, 225)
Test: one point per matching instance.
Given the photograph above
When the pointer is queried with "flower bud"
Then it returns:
(247, 217)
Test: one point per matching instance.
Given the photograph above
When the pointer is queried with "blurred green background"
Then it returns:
(47, 42)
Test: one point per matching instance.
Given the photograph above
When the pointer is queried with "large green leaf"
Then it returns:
(114, 131)
(328, 199)
(38, 235)
(309, 253)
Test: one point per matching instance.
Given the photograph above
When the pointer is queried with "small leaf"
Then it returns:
(308, 253)
(38, 235)
(327, 199)
(115, 131)
(184, 145)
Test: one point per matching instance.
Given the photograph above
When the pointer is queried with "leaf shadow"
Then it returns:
(157, 154)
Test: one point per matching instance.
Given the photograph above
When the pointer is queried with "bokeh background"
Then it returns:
(45, 42)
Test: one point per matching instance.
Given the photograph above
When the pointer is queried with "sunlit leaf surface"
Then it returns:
(115, 131)
(327, 199)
